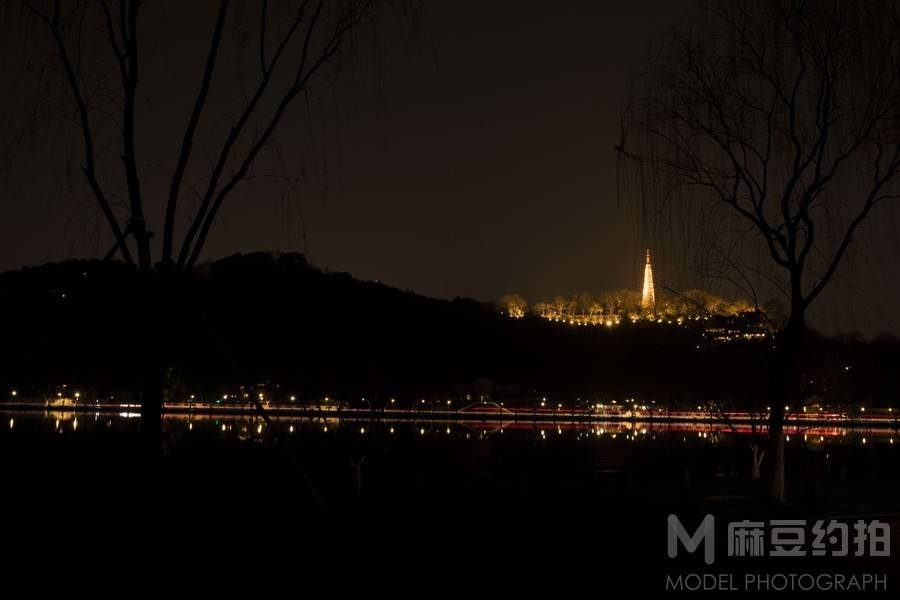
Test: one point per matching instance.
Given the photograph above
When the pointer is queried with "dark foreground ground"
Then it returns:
(469, 511)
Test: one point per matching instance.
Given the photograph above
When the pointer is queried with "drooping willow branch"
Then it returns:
(765, 112)
(313, 35)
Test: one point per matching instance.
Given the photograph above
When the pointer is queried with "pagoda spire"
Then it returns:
(648, 295)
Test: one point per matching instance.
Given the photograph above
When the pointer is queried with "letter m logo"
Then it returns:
(705, 533)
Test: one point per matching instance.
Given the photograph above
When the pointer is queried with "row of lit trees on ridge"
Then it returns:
(609, 308)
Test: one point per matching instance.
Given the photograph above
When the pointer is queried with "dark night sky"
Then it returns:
(484, 165)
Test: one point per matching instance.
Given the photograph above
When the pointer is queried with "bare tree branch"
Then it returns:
(53, 24)
(188, 141)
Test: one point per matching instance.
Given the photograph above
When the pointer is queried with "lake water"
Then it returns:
(543, 498)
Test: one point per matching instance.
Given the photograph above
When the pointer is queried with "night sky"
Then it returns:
(476, 160)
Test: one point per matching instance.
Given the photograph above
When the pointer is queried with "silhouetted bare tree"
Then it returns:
(291, 53)
(98, 47)
(770, 131)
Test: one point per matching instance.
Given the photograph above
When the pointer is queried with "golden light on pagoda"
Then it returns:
(648, 294)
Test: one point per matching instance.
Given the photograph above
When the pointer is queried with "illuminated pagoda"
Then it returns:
(648, 295)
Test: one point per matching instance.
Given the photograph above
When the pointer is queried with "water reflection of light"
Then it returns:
(223, 426)
(75, 424)
(12, 423)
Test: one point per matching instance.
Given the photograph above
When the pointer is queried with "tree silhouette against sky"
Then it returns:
(762, 136)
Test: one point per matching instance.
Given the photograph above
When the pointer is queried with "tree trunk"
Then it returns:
(776, 436)
(782, 377)
(160, 292)
(776, 491)
(757, 458)
(151, 396)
